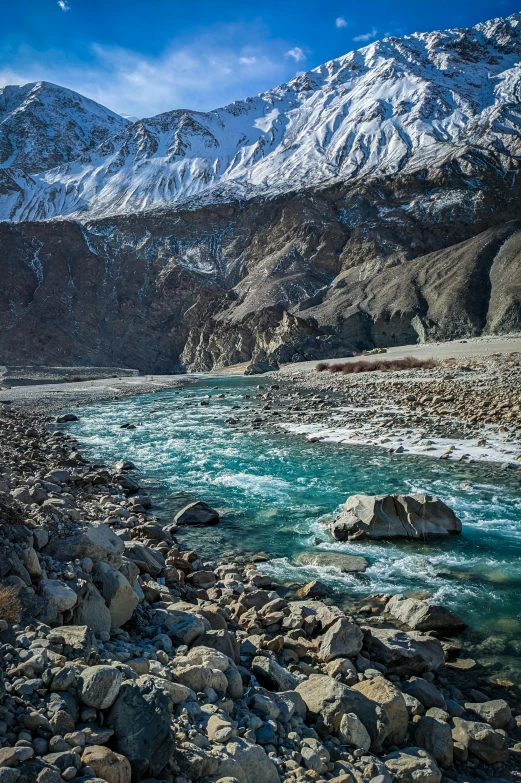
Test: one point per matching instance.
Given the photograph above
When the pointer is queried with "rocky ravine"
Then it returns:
(135, 660)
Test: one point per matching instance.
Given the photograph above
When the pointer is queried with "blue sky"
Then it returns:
(142, 57)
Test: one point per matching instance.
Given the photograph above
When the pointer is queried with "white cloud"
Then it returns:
(296, 53)
(367, 36)
(222, 64)
(341, 22)
(64, 5)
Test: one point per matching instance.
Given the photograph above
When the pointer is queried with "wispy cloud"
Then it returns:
(341, 21)
(296, 53)
(367, 36)
(220, 65)
(64, 5)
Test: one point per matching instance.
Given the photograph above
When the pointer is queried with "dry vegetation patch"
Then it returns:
(383, 365)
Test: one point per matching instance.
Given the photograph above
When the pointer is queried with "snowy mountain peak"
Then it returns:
(397, 104)
(43, 125)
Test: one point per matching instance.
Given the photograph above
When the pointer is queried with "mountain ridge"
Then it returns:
(406, 242)
(396, 104)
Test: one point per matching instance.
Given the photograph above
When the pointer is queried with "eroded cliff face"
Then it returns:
(436, 255)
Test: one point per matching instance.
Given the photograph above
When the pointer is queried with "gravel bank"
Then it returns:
(468, 408)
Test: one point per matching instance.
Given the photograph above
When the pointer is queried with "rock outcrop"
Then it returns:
(394, 516)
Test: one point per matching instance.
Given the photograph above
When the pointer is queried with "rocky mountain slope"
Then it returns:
(323, 252)
(400, 104)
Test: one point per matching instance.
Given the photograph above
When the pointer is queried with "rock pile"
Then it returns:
(125, 658)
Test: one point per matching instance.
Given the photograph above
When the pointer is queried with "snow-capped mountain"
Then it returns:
(43, 125)
(400, 104)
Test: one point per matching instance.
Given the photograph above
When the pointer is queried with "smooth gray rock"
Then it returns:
(424, 691)
(91, 610)
(496, 713)
(78, 641)
(436, 738)
(480, 740)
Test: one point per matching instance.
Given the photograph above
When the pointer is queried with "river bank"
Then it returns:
(467, 408)
(234, 674)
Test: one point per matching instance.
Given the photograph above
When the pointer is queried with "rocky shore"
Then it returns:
(125, 658)
(462, 409)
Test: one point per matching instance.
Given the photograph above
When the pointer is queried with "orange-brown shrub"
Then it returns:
(383, 365)
(10, 604)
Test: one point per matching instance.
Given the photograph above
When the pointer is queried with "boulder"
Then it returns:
(198, 677)
(496, 713)
(313, 589)
(197, 513)
(253, 760)
(394, 516)
(391, 700)
(412, 765)
(434, 735)
(272, 676)
(406, 653)
(91, 609)
(109, 766)
(353, 732)
(181, 627)
(427, 693)
(119, 596)
(57, 598)
(223, 641)
(480, 740)
(148, 560)
(261, 367)
(141, 718)
(22, 495)
(347, 564)
(58, 476)
(97, 541)
(342, 640)
(194, 762)
(78, 641)
(328, 700)
(421, 616)
(99, 686)
(30, 560)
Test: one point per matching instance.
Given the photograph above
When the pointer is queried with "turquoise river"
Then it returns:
(277, 491)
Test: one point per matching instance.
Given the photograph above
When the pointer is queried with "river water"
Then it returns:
(277, 491)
